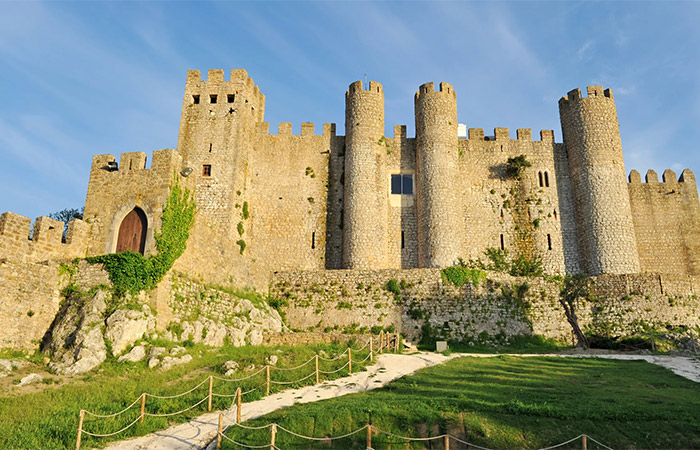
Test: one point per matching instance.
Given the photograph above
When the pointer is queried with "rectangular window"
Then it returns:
(212, 98)
(402, 184)
(206, 170)
(195, 99)
(230, 98)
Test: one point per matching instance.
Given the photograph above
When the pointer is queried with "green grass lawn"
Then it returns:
(49, 419)
(507, 402)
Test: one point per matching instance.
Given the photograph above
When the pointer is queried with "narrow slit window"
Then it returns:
(212, 98)
(403, 240)
(503, 244)
(206, 170)
(313, 239)
(230, 98)
(539, 175)
(546, 179)
(549, 242)
(195, 99)
(210, 145)
(555, 214)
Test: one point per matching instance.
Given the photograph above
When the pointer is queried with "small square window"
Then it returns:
(230, 98)
(195, 99)
(402, 184)
(212, 98)
(206, 170)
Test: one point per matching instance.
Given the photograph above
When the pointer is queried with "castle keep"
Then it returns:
(271, 203)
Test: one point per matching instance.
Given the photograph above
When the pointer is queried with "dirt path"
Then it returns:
(200, 432)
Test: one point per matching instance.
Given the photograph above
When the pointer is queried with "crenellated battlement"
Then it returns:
(429, 89)
(164, 163)
(358, 86)
(593, 92)
(307, 129)
(668, 177)
(19, 241)
(238, 76)
(503, 134)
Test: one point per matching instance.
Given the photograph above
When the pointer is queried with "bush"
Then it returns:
(459, 275)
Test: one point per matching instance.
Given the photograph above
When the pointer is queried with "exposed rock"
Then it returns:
(255, 337)
(75, 339)
(126, 326)
(135, 355)
(272, 360)
(169, 361)
(236, 336)
(155, 352)
(175, 351)
(8, 365)
(229, 365)
(153, 362)
(30, 379)
(229, 373)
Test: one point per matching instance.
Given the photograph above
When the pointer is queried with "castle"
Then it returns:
(269, 203)
(273, 202)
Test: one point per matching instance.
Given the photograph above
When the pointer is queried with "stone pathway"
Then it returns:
(200, 432)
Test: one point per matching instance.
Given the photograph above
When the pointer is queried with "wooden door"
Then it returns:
(132, 232)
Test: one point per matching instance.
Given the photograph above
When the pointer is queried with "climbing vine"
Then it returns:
(131, 272)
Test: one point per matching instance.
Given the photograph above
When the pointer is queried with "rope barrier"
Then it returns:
(179, 412)
(240, 379)
(335, 371)
(247, 446)
(115, 414)
(250, 428)
(312, 374)
(212, 394)
(469, 444)
(602, 445)
(293, 368)
(323, 438)
(177, 395)
(407, 438)
(112, 434)
(563, 443)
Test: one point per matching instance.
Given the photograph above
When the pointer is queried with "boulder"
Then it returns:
(30, 379)
(155, 352)
(135, 355)
(126, 326)
(229, 365)
(175, 351)
(153, 362)
(169, 361)
(272, 360)
(255, 337)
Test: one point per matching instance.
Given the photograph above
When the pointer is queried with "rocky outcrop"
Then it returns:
(126, 326)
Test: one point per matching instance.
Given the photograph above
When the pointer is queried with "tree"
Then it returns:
(516, 165)
(575, 287)
(66, 215)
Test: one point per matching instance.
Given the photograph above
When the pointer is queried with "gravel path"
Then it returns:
(200, 432)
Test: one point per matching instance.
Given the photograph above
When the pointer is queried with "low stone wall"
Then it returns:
(500, 306)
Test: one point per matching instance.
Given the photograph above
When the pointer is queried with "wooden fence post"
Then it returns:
(238, 406)
(221, 427)
(267, 382)
(584, 443)
(273, 435)
(369, 435)
(211, 388)
(396, 344)
(143, 406)
(349, 361)
(447, 442)
(80, 429)
(317, 377)
(381, 341)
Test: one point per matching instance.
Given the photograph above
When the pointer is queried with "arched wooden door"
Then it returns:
(132, 232)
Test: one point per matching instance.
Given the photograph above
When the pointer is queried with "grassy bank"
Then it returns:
(507, 402)
(49, 418)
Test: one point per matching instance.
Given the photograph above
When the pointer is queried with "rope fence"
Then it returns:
(371, 431)
(386, 342)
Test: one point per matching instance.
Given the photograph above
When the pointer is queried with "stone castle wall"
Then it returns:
(666, 219)
(501, 305)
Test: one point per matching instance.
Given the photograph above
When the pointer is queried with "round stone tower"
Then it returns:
(365, 198)
(607, 240)
(437, 200)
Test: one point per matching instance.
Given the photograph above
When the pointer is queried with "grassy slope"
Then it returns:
(510, 402)
(49, 419)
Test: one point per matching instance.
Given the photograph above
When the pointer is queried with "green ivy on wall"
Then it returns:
(131, 272)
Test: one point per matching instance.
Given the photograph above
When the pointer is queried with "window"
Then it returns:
(503, 244)
(206, 170)
(403, 240)
(195, 99)
(313, 239)
(402, 184)
(212, 98)
(546, 179)
(539, 175)
(549, 242)
(230, 98)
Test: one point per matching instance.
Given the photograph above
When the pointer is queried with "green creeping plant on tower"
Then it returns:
(131, 272)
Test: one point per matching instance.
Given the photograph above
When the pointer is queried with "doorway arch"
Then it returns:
(132, 232)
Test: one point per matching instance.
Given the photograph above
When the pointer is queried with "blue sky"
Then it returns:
(84, 78)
